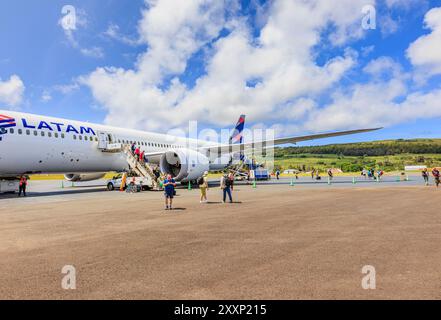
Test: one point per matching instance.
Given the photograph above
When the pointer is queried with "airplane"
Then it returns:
(35, 144)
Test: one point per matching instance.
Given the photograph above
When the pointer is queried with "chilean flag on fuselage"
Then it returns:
(237, 136)
(7, 122)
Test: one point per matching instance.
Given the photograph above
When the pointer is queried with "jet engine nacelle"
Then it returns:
(184, 164)
(75, 177)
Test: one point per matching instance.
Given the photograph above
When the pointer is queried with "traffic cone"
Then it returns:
(189, 185)
(254, 184)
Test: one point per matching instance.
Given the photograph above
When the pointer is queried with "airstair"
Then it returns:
(140, 168)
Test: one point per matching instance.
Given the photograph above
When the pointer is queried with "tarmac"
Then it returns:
(276, 241)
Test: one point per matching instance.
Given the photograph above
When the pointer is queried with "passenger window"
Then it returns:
(11, 130)
(35, 133)
(75, 137)
(62, 136)
(20, 131)
(96, 139)
(28, 132)
(42, 133)
(80, 137)
(49, 134)
(56, 134)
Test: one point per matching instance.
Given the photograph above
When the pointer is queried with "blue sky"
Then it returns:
(154, 66)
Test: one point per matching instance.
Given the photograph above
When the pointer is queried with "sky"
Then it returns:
(295, 66)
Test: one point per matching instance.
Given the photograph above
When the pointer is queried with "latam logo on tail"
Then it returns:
(6, 122)
(237, 136)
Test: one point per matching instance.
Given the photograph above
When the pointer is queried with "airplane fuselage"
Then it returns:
(40, 144)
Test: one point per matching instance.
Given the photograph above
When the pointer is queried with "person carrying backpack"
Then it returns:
(227, 186)
(203, 187)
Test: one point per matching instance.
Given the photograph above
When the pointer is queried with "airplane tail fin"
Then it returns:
(236, 136)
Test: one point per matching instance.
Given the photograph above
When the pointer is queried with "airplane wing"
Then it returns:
(229, 148)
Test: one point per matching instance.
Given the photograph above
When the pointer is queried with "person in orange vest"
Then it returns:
(22, 186)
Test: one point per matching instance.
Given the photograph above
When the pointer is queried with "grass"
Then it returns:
(306, 162)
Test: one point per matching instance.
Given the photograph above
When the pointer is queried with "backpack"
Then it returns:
(201, 181)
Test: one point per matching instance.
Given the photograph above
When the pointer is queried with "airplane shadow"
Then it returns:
(50, 193)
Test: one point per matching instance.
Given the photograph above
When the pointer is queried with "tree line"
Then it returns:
(376, 148)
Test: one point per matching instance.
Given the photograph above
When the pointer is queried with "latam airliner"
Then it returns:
(34, 144)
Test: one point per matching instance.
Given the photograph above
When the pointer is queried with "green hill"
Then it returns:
(388, 155)
(374, 148)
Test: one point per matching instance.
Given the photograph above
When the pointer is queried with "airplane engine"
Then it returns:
(184, 164)
(75, 177)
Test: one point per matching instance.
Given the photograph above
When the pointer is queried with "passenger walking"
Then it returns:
(330, 175)
(142, 157)
(169, 192)
(277, 174)
(22, 186)
(312, 174)
(137, 153)
(226, 186)
(133, 148)
(435, 173)
(157, 173)
(203, 187)
(425, 175)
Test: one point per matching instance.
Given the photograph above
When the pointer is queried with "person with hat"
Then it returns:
(203, 187)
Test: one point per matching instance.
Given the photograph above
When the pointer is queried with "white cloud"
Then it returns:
(425, 52)
(384, 100)
(280, 62)
(113, 32)
(11, 91)
(46, 96)
(66, 88)
(388, 25)
(94, 52)
(405, 4)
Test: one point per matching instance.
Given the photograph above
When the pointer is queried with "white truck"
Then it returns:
(115, 182)
(9, 186)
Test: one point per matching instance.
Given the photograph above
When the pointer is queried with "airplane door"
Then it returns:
(102, 140)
